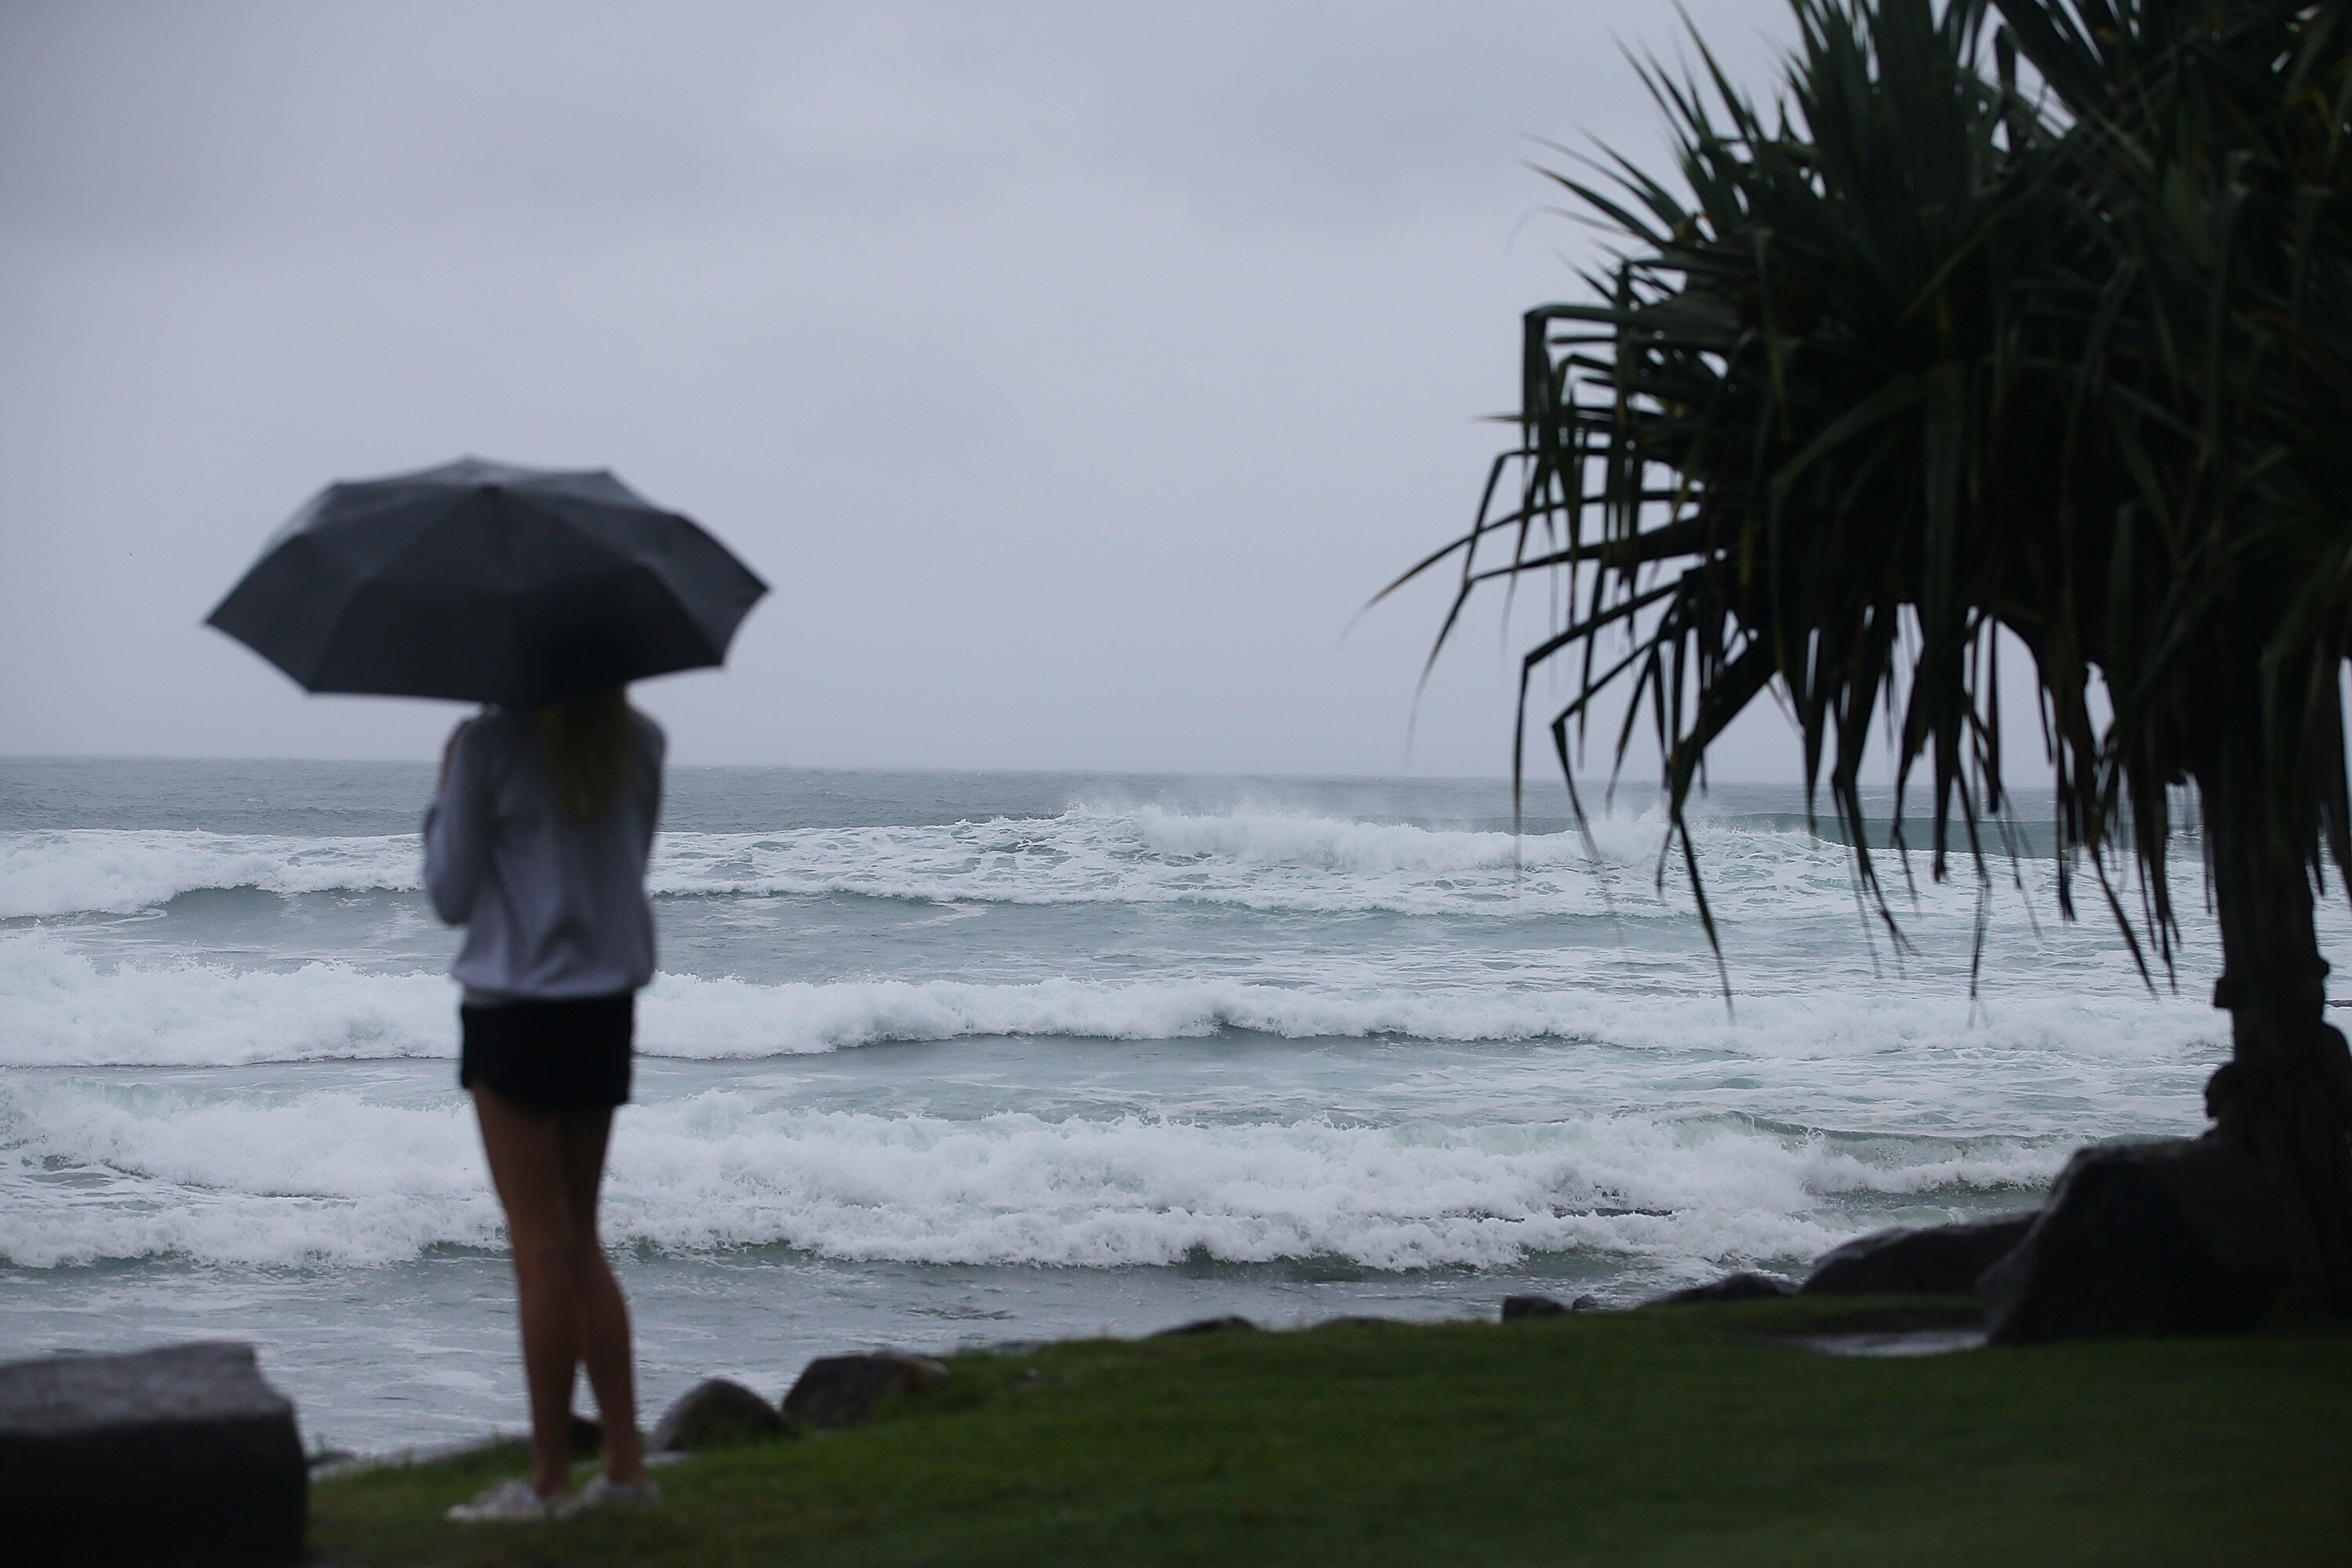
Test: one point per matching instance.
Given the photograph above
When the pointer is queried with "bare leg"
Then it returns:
(602, 1311)
(547, 1165)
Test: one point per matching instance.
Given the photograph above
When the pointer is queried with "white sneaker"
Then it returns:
(606, 1492)
(509, 1502)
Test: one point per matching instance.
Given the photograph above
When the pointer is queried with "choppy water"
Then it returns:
(944, 1058)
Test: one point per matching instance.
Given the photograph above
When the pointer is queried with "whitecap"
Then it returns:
(1254, 861)
(94, 1171)
(59, 1007)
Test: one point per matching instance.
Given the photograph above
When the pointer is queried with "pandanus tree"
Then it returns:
(2025, 324)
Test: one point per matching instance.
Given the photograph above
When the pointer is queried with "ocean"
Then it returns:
(946, 1059)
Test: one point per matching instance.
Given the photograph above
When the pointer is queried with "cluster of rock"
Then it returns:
(2181, 1237)
(832, 1392)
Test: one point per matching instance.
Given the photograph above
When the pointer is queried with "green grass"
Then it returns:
(1673, 1437)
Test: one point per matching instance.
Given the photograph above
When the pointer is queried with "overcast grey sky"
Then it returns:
(1073, 373)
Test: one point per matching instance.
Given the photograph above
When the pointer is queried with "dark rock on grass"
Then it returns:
(165, 1454)
(1517, 1307)
(715, 1413)
(587, 1436)
(1585, 1304)
(2185, 1237)
(837, 1391)
(1928, 1260)
(1205, 1326)
(1357, 1320)
(1741, 1287)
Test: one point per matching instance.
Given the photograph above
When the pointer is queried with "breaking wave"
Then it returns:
(60, 1008)
(1263, 861)
(93, 1171)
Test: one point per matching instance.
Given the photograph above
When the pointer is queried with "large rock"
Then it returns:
(2186, 1236)
(1741, 1286)
(842, 1389)
(1205, 1326)
(181, 1453)
(715, 1413)
(1931, 1260)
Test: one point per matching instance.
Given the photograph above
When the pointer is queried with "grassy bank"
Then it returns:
(1667, 1437)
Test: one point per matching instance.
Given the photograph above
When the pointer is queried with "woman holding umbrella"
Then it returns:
(537, 843)
(539, 593)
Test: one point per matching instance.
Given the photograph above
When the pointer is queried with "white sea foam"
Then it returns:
(93, 1170)
(107, 870)
(725, 1169)
(1261, 861)
(1265, 861)
(98, 1171)
(61, 1007)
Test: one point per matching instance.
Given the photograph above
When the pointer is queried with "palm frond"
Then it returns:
(1904, 363)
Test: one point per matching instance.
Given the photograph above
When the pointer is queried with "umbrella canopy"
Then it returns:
(488, 583)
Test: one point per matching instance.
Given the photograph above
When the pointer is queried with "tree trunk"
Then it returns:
(2285, 1095)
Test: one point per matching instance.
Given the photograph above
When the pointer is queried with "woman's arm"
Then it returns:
(458, 827)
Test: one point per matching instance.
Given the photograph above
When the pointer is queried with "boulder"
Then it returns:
(1741, 1287)
(1927, 1261)
(163, 1455)
(1517, 1307)
(2184, 1237)
(842, 1389)
(1205, 1326)
(587, 1436)
(715, 1413)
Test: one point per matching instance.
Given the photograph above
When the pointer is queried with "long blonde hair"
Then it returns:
(586, 743)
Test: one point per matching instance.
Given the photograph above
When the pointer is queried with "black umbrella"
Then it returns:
(488, 583)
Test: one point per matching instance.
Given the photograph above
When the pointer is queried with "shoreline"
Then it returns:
(1897, 1328)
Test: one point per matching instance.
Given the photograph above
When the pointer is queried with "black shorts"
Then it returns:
(551, 1056)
